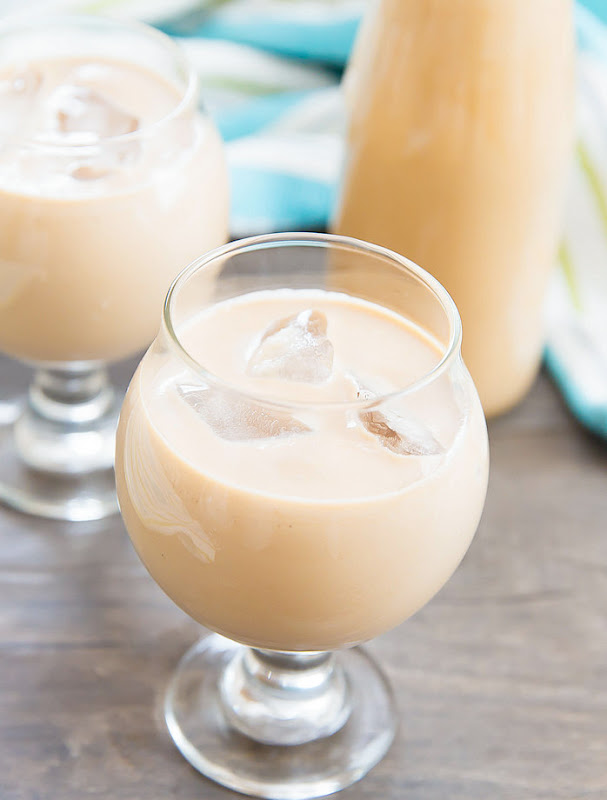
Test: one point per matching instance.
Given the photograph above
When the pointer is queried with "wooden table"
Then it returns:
(501, 680)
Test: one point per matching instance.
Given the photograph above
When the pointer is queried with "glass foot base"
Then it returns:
(200, 729)
(88, 496)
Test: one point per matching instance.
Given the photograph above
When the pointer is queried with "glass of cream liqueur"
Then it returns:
(111, 181)
(301, 464)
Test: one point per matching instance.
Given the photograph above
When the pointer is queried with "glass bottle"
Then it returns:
(460, 132)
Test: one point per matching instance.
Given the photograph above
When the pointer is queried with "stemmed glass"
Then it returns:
(293, 560)
(102, 202)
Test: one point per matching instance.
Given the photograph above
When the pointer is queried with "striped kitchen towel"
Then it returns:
(576, 354)
(270, 72)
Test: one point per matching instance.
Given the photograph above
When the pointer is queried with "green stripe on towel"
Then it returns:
(594, 182)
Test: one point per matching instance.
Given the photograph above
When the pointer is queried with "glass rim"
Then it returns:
(187, 95)
(264, 241)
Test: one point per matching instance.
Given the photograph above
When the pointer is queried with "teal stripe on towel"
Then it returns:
(592, 415)
(598, 7)
(329, 43)
(270, 200)
(591, 33)
(254, 115)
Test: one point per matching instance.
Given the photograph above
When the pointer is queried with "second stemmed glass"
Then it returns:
(110, 182)
(301, 465)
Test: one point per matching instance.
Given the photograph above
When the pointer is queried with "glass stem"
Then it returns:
(68, 424)
(284, 698)
(71, 394)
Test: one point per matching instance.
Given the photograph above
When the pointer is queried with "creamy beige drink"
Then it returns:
(107, 189)
(300, 523)
(459, 140)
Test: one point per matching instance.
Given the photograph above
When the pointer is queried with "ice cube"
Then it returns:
(105, 161)
(403, 435)
(87, 115)
(235, 418)
(295, 349)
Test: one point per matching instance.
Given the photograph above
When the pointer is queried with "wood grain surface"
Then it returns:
(501, 680)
